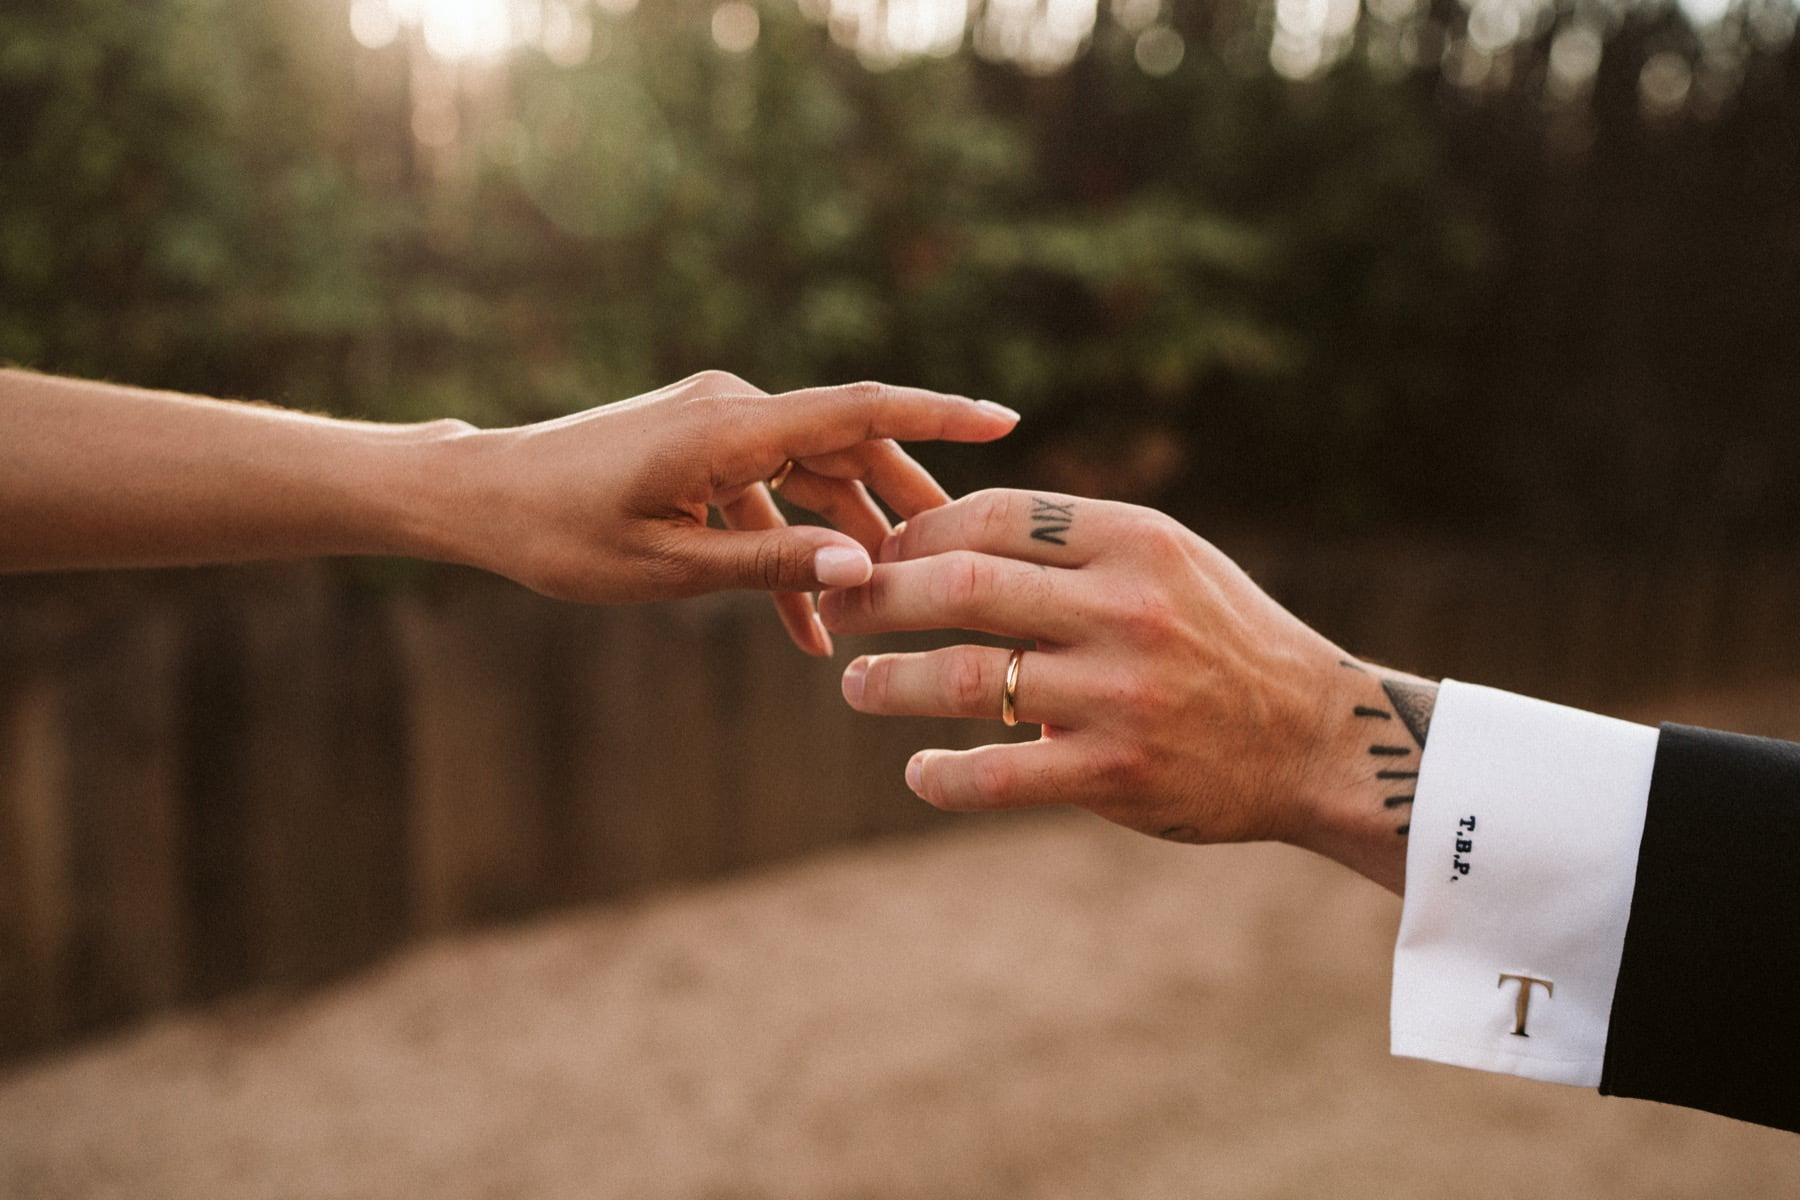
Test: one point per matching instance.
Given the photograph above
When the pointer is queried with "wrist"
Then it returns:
(426, 481)
(1364, 769)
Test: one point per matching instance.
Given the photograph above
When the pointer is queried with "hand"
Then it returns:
(1176, 698)
(610, 505)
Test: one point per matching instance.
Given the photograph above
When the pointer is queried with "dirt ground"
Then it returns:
(1038, 1007)
(1043, 1008)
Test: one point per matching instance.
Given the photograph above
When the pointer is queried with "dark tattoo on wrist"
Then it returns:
(1413, 704)
(1050, 520)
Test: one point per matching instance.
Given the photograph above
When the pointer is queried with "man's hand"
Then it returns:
(611, 504)
(1176, 698)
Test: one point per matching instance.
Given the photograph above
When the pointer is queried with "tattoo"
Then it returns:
(1181, 833)
(1050, 520)
(1413, 705)
(1415, 702)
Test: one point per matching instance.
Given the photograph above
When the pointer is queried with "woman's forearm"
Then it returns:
(98, 475)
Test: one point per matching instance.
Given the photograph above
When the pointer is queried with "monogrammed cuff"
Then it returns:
(1519, 873)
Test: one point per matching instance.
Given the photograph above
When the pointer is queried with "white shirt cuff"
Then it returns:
(1520, 866)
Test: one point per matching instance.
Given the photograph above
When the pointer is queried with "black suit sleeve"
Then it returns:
(1705, 1010)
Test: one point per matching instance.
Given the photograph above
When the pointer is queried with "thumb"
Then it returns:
(802, 558)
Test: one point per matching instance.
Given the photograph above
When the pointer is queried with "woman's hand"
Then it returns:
(611, 505)
(1176, 697)
(604, 506)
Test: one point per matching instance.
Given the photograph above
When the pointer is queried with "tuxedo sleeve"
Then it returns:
(1704, 1014)
(1600, 903)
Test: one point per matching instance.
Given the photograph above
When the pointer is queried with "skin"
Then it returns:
(605, 506)
(1176, 698)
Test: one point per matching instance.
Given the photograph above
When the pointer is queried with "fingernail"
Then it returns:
(824, 637)
(915, 776)
(842, 566)
(1004, 411)
(890, 545)
(831, 607)
(854, 676)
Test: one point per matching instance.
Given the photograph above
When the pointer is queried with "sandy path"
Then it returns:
(1027, 1008)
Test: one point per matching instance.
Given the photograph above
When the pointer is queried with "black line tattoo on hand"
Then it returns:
(1050, 520)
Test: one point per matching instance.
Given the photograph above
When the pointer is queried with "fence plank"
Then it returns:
(36, 921)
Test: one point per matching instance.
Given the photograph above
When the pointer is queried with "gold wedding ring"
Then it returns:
(1009, 694)
(780, 476)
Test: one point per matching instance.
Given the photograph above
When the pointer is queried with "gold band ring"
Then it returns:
(780, 476)
(1009, 694)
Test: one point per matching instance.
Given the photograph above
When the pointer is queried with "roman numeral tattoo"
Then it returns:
(1412, 705)
(1050, 520)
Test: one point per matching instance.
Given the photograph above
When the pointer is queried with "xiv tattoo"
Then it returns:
(1050, 520)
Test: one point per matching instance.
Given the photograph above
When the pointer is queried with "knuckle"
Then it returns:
(774, 563)
(1162, 536)
(1123, 770)
(992, 517)
(715, 382)
(991, 782)
(959, 582)
(1134, 699)
(966, 679)
(1144, 613)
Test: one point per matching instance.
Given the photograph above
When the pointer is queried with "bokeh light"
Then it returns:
(1159, 50)
(735, 26)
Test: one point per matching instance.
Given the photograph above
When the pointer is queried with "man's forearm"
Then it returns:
(97, 475)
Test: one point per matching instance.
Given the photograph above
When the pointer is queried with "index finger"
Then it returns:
(818, 421)
(1041, 527)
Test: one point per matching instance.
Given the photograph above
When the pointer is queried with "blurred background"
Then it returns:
(1467, 325)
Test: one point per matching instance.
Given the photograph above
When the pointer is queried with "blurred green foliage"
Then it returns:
(1280, 286)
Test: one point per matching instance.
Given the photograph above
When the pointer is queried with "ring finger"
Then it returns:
(965, 681)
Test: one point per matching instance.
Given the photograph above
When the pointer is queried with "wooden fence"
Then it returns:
(217, 780)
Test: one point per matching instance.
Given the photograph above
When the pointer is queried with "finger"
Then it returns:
(965, 681)
(844, 503)
(888, 471)
(761, 431)
(754, 510)
(1009, 775)
(801, 621)
(961, 590)
(1042, 527)
(801, 558)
